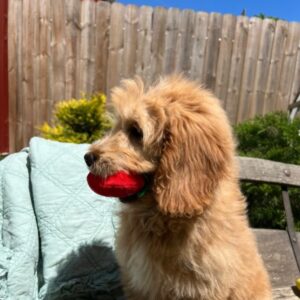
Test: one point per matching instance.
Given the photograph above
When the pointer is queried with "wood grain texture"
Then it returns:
(130, 40)
(59, 50)
(249, 69)
(184, 43)
(144, 41)
(261, 170)
(277, 253)
(116, 46)
(288, 66)
(223, 67)
(171, 35)
(285, 293)
(87, 47)
(236, 68)
(212, 50)
(44, 41)
(36, 119)
(72, 15)
(158, 42)
(12, 74)
(199, 47)
(262, 67)
(27, 70)
(296, 76)
(272, 88)
(101, 44)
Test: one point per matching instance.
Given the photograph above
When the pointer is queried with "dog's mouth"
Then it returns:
(125, 185)
(129, 199)
(140, 194)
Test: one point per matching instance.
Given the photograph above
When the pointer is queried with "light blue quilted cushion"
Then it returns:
(75, 227)
(18, 231)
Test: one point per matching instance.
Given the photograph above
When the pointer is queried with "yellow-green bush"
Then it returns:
(78, 120)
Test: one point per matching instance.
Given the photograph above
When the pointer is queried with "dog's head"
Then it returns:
(177, 134)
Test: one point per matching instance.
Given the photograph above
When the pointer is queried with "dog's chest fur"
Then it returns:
(134, 246)
(141, 271)
(154, 264)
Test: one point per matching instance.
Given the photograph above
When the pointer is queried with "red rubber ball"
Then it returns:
(120, 184)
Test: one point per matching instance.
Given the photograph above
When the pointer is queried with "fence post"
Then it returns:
(4, 142)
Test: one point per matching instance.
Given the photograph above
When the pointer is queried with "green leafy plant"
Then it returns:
(270, 137)
(263, 16)
(78, 121)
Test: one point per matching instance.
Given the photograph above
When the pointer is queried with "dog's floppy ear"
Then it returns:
(194, 159)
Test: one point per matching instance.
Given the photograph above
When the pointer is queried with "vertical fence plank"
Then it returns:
(288, 66)
(58, 45)
(50, 62)
(130, 40)
(262, 67)
(12, 76)
(144, 40)
(91, 50)
(87, 53)
(295, 89)
(78, 75)
(45, 56)
(158, 42)
(171, 35)
(212, 50)
(27, 70)
(36, 66)
(4, 113)
(236, 68)
(72, 16)
(199, 46)
(116, 46)
(185, 42)
(20, 58)
(101, 45)
(280, 35)
(249, 69)
(223, 67)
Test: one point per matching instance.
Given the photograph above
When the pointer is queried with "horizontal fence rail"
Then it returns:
(59, 49)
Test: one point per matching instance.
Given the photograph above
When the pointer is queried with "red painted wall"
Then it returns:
(3, 77)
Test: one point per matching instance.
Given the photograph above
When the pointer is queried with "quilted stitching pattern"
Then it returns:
(76, 227)
(19, 235)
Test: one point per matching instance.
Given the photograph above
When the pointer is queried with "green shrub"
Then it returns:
(263, 16)
(270, 137)
(78, 121)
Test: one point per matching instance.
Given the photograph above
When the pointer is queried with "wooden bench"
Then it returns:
(280, 249)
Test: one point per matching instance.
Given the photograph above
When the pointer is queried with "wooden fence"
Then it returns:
(58, 49)
(3, 78)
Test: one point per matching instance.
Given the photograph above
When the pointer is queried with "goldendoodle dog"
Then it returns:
(187, 235)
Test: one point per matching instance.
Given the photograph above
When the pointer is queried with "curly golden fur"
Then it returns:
(188, 236)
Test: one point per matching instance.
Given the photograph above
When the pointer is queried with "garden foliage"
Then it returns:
(270, 137)
(78, 121)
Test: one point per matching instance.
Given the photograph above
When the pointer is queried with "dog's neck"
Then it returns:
(144, 211)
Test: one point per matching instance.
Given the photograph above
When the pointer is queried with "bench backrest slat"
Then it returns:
(261, 170)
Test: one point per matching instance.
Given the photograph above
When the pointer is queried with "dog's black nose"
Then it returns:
(90, 158)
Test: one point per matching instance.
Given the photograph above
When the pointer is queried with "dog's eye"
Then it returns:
(135, 132)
